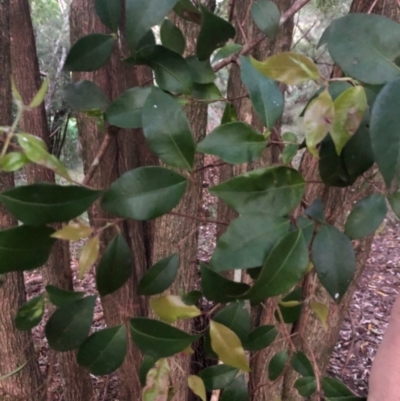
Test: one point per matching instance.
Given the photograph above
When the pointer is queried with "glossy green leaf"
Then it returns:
(230, 114)
(366, 47)
(186, 10)
(226, 51)
(109, 12)
(90, 52)
(85, 96)
(218, 376)
(158, 382)
(290, 313)
(115, 266)
(40, 95)
(170, 308)
(234, 143)
(60, 297)
(334, 260)
(385, 132)
(104, 351)
(366, 216)
(159, 339)
(167, 130)
(172, 37)
(160, 276)
(126, 110)
(214, 32)
(40, 204)
(24, 248)
(307, 226)
(335, 390)
(147, 364)
(266, 16)
(70, 324)
(277, 365)
(144, 193)
(218, 288)
(248, 240)
(226, 344)
(30, 313)
(350, 108)
(322, 312)
(197, 386)
(316, 211)
(192, 297)
(261, 337)
(171, 71)
(288, 68)
(301, 364)
(89, 255)
(265, 95)
(13, 161)
(141, 15)
(206, 92)
(288, 153)
(284, 267)
(202, 72)
(318, 120)
(236, 391)
(275, 190)
(306, 386)
(394, 201)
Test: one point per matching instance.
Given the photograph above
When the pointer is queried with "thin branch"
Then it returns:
(207, 166)
(206, 221)
(372, 7)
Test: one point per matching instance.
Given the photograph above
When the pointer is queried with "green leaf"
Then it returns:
(73, 232)
(172, 37)
(160, 276)
(230, 114)
(206, 92)
(147, 364)
(89, 255)
(265, 95)
(167, 130)
(40, 95)
(236, 391)
(197, 386)
(335, 390)
(322, 312)
(115, 266)
(284, 267)
(290, 313)
(226, 51)
(170, 308)
(234, 143)
(60, 297)
(301, 364)
(142, 15)
(144, 193)
(316, 211)
(24, 248)
(236, 317)
(218, 376)
(318, 120)
(261, 337)
(85, 96)
(104, 351)
(69, 325)
(126, 110)
(266, 16)
(226, 344)
(366, 216)
(288, 153)
(248, 240)
(13, 161)
(159, 339)
(40, 204)
(394, 201)
(186, 10)
(30, 314)
(366, 47)
(385, 133)
(109, 12)
(214, 32)
(192, 297)
(306, 386)
(289, 68)
(158, 382)
(277, 365)
(90, 52)
(350, 108)
(171, 71)
(276, 190)
(202, 72)
(334, 260)
(218, 288)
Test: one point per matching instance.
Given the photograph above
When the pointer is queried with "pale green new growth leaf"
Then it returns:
(170, 308)
(322, 312)
(40, 95)
(13, 161)
(89, 255)
(197, 386)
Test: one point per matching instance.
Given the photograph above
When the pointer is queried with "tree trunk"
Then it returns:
(126, 150)
(17, 346)
(57, 271)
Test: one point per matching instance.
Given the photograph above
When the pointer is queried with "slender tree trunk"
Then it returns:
(57, 271)
(126, 150)
(17, 347)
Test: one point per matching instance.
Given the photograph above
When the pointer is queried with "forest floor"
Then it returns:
(360, 335)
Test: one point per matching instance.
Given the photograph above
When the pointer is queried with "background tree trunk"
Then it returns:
(57, 271)
(18, 345)
(126, 150)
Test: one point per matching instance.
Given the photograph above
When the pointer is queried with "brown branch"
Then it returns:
(206, 221)
(209, 166)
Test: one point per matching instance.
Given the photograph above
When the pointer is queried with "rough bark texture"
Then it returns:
(126, 151)
(57, 270)
(17, 347)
